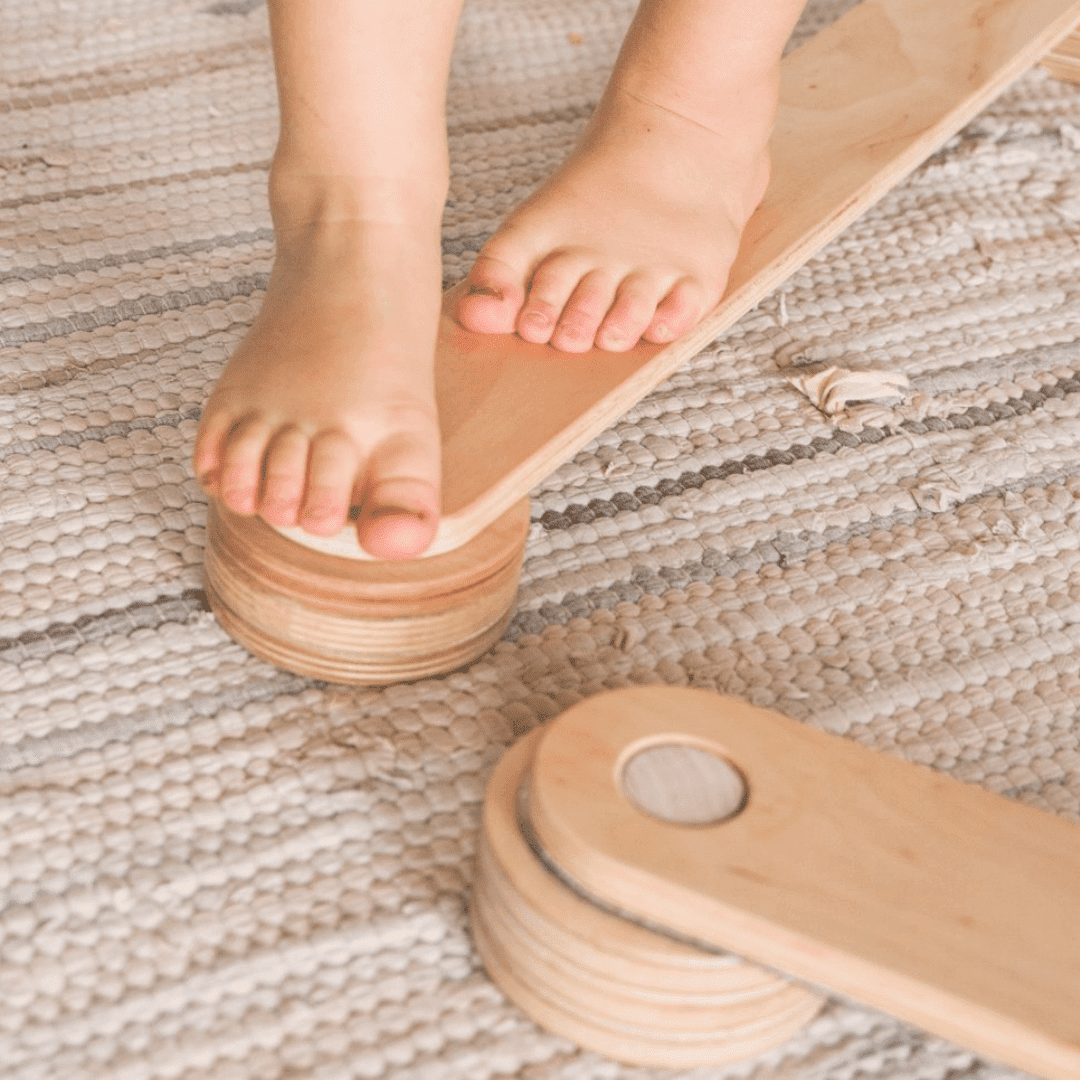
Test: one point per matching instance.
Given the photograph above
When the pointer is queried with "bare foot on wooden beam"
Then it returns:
(632, 238)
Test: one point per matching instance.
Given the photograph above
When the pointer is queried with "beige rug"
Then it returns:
(213, 869)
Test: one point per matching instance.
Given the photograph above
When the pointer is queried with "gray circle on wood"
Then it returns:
(684, 785)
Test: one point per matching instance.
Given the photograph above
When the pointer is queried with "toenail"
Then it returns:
(663, 333)
(485, 290)
(537, 319)
(390, 511)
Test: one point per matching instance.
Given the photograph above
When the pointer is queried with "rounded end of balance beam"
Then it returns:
(362, 621)
(608, 984)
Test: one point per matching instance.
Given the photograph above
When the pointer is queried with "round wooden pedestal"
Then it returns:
(356, 621)
(603, 982)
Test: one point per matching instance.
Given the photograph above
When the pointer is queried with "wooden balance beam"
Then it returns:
(632, 845)
(862, 104)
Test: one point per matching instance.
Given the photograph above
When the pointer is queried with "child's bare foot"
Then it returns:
(632, 237)
(328, 403)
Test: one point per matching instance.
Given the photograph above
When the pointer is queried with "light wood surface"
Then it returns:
(939, 902)
(1063, 61)
(863, 103)
(362, 622)
(604, 982)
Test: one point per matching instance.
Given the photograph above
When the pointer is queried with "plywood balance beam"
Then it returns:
(657, 810)
(862, 104)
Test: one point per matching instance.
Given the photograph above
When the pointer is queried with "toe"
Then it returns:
(494, 295)
(681, 309)
(332, 468)
(633, 310)
(399, 519)
(241, 467)
(553, 282)
(284, 477)
(584, 311)
(209, 452)
(400, 509)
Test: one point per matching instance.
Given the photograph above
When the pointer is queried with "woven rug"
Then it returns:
(210, 868)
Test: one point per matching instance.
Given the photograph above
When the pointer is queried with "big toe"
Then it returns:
(399, 507)
(399, 518)
(493, 297)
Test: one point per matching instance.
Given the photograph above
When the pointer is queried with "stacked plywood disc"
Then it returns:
(938, 902)
(356, 621)
(606, 983)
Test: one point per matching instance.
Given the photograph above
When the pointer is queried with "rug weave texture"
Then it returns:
(210, 868)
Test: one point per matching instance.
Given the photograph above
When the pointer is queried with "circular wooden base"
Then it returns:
(353, 621)
(603, 982)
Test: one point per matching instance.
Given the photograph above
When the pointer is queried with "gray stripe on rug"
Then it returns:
(129, 310)
(784, 550)
(67, 637)
(137, 184)
(168, 68)
(58, 376)
(970, 417)
(32, 751)
(119, 428)
(134, 258)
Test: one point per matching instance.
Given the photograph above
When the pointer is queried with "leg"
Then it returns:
(633, 236)
(328, 402)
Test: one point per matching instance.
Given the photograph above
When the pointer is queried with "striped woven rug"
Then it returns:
(210, 868)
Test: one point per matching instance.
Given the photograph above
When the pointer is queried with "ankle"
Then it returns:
(304, 193)
(740, 110)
